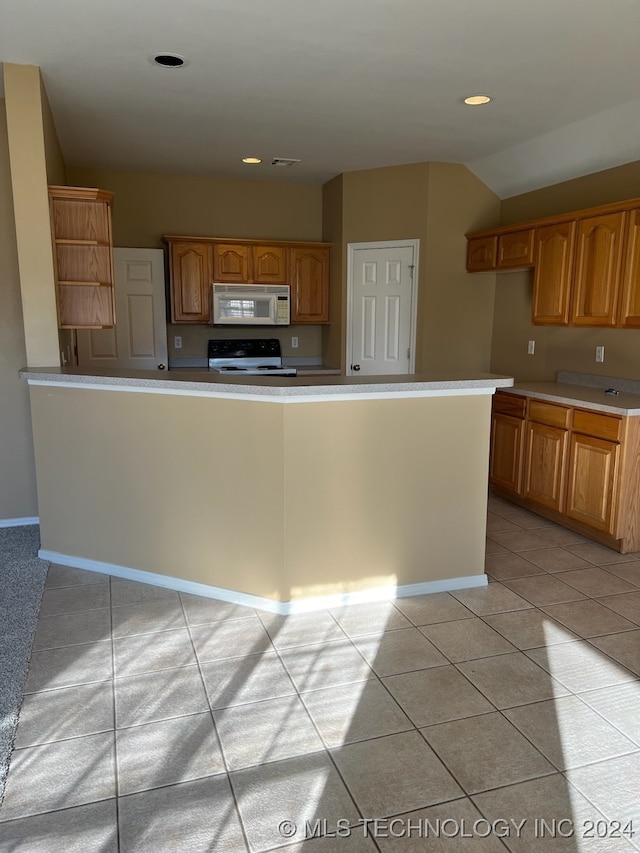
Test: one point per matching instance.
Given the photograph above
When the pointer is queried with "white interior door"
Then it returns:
(139, 339)
(382, 308)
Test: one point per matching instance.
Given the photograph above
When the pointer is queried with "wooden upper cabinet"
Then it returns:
(83, 256)
(190, 269)
(269, 265)
(553, 261)
(309, 285)
(231, 263)
(481, 254)
(598, 266)
(629, 311)
(515, 250)
(196, 262)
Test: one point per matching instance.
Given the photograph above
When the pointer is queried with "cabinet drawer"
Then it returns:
(601, 426)
(509, 404)
(549, 413)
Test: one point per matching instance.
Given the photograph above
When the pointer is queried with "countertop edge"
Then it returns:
(577, 395)
(272, 388)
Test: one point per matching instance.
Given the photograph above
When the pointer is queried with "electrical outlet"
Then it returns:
(531, 348)
(177, 342)
(294, 342)
(600, 354)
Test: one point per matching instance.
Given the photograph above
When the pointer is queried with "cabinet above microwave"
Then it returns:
(196, 262)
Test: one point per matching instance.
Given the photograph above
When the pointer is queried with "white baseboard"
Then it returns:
(284, 608)
(19, 522)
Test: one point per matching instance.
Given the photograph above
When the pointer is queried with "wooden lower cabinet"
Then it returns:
(545, 464)
(506, 454)
(591, 488)
(581, 469)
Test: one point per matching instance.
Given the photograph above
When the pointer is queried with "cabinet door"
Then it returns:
(505, 462)
(553, 260)
(597, 270)
(515, 250)
(629, 314)
(481, 254)
(545, 464)
(231, 263)
(310, 285)
(190, 268)
(591, 491)
(269, 265)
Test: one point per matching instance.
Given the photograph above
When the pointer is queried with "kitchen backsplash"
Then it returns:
(195, 338)
(593, 380)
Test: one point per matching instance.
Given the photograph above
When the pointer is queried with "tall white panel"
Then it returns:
(141, 333)
(369, 327)
(392, 328)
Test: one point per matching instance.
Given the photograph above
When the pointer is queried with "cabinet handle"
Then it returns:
(355, 367)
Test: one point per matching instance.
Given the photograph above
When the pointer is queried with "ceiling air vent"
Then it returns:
(284, 161)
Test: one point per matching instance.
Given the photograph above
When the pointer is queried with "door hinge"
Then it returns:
(408, 352)
(411, 269)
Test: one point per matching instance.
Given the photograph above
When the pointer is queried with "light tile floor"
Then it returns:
(161, 722)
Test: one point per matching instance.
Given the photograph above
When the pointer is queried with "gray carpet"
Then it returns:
(22, 578)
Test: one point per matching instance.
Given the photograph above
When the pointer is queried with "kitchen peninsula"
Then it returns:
(286, 494)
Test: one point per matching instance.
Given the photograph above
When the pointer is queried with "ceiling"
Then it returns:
(340, 85)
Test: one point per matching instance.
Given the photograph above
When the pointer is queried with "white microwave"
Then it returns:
(251, 305)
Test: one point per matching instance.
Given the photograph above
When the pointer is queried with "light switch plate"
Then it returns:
(600, 354)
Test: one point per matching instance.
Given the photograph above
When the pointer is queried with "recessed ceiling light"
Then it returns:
(476, 100)
(169, 60)
(252, 161)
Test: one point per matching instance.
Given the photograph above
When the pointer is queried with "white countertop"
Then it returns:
(623, 403)
(303, 388)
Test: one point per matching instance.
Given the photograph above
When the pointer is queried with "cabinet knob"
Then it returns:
(161, 366)
(355, 367)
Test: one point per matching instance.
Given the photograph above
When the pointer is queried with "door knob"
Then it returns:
(161, 366)
(355, 367)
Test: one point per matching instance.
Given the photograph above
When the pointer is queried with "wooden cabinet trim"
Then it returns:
(574, 215)
(244, 241)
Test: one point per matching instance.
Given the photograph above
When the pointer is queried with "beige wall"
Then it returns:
(384, 492)
(435, 203)
(17, 476)
(455, 309)
(147, 205)
(282, 501)
(26, 112)
(559, 348)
